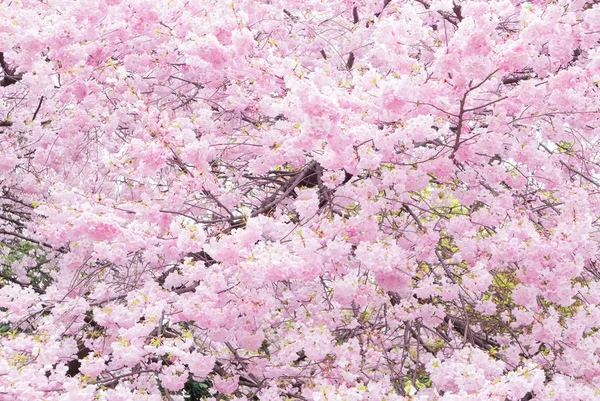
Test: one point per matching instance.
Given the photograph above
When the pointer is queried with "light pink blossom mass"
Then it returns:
(300, 200)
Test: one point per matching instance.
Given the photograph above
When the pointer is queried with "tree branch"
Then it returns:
(9, 73)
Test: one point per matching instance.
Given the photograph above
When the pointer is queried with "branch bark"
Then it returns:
(10, 76)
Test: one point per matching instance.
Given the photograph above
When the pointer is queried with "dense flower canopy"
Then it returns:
(299, 200)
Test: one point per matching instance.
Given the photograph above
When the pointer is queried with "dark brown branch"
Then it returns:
(287, 189)
(38, 108)
(325, 194)
(2, 232)
(424, 3)
(9, 73)
(516, 78)
(355, 15)
(350, 61)
(250, 120)
(13, 221)
(385, 4)
(459, 125)
(35, 288)
(417, 337)
(414, 216)
(290, 15)
(463, 329)
(457, 11)
(585, 177)
(202, 257)
(115, 379)
(485, 104)
(462, 110)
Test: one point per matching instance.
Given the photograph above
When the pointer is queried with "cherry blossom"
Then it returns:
(311, 200)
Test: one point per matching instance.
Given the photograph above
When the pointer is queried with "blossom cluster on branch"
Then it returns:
(299, 200)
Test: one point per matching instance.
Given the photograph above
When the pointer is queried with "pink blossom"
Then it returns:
(315, 199)
(226, 386)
